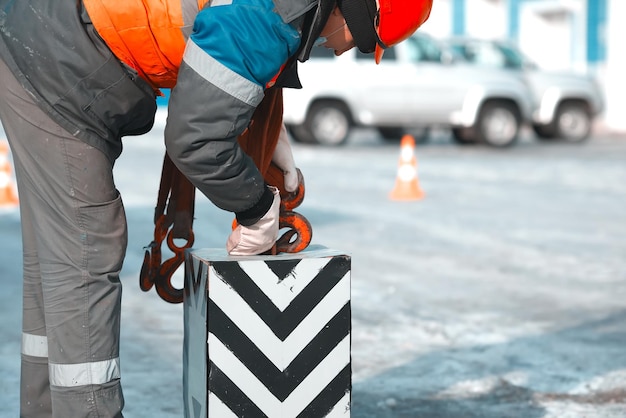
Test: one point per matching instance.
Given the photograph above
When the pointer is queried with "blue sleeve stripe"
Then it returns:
(221, 76)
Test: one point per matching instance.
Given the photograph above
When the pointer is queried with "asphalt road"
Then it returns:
(502, 293)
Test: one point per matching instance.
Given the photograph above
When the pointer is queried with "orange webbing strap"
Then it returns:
(174, 212)
(259, 141)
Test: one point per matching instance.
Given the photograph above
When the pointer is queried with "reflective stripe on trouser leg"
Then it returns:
(78, 233)
(35, 388)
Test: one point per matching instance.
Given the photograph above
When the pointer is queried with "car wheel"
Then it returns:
(328, 123)
(498, 124)
(573, 122)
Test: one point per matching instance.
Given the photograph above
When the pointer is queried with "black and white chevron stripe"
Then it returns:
(277, 335)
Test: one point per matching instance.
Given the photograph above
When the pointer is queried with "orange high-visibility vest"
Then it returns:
(146, 35)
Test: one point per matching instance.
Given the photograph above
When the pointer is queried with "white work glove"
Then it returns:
(283, 158)
(259, 237)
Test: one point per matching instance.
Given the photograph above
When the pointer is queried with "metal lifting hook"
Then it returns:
(157, 274)
(297, 225)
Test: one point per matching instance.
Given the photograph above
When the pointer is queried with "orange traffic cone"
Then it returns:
(407, 185)
(8, 197)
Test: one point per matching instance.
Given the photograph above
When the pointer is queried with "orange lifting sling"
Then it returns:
(175, 205)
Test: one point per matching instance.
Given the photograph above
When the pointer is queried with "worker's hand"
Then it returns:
(283, 158)
(258, 237)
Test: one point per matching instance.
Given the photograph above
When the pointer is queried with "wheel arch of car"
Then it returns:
(478, 96)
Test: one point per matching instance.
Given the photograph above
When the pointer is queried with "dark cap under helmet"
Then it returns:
(360, 16)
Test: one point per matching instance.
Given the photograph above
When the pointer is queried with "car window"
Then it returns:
(422, 49)
(514, 58)
(490, 54)
(321, 52)
(511, 58)
(484, 54)
(459, 50)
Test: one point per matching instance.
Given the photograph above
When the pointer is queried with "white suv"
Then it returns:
(416, 85)
(568, 103)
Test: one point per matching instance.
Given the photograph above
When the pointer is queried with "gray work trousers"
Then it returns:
(74, 240)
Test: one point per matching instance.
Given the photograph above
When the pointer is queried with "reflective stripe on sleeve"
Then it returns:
(221, 76)
(34, 345)
(96, 373)
(221, 2)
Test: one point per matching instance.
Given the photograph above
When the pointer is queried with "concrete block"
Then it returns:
(267, 336)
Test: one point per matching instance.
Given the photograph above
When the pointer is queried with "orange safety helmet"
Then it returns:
(397, 20)
(377, 25)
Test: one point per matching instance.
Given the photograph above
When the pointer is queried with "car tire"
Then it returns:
(498, 124)
(573, 122)
(327, 123)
